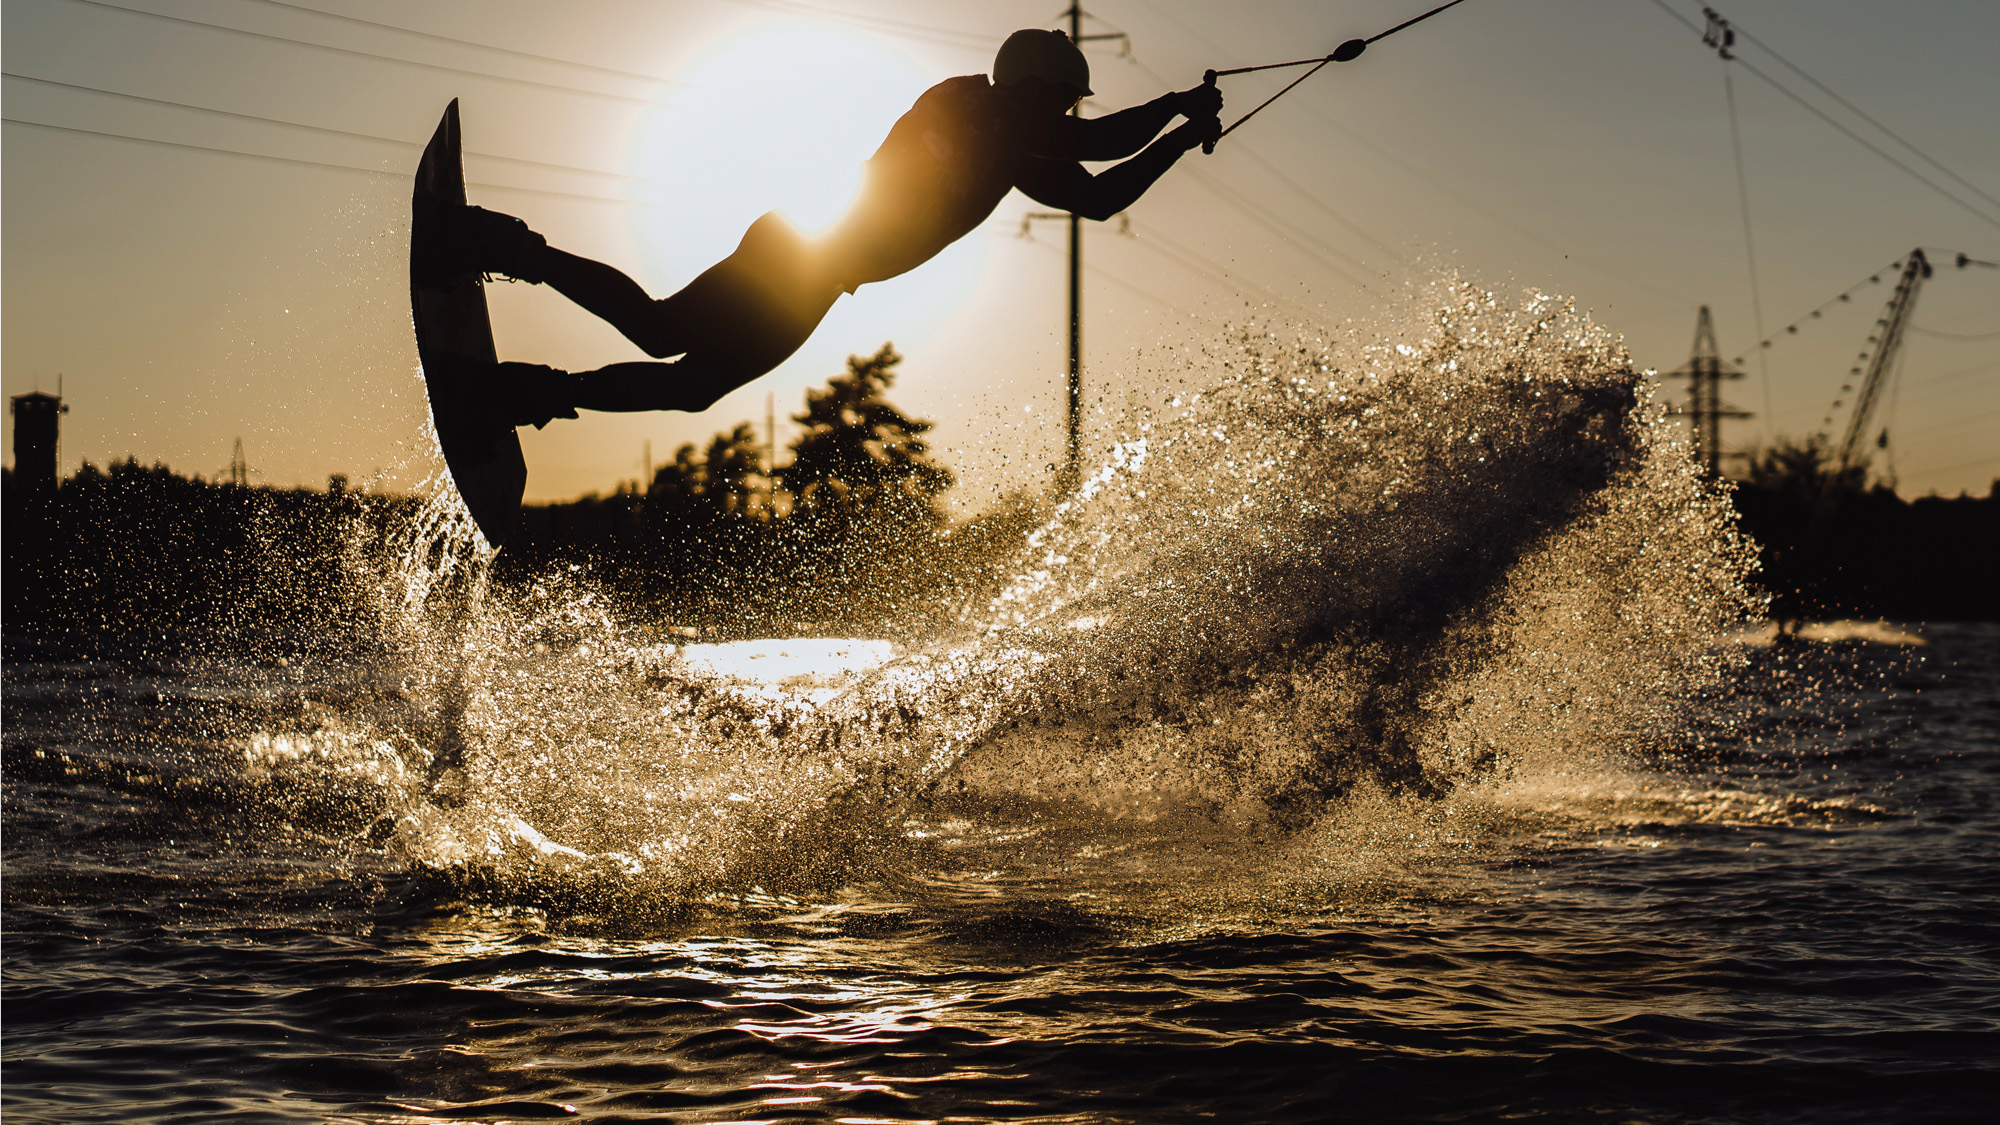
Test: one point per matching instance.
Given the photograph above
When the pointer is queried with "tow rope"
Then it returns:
(1346, 52)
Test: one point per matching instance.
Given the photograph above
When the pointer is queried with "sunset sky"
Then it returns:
(188, 297)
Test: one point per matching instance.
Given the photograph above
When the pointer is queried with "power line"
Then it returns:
(1201, 265)
(1622, 275)
(1963, 420)
(1316, 201)
(1856, 111)
(156, 142)
(1684, 21)
(228, 113)
(1274, 170)
(1749, 243)
(1863, 142)
(351, 53)
(950, 37)
(1183, 25)
(1950, 376)
(1822, 115)
(434, 37)
(1959, 465)
(1017, 231)
(1114, 279)
(197, 148)
(1955, 335)
(1278, 225)
(1435, 183)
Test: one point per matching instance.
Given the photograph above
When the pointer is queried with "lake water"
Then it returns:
(1378, 736)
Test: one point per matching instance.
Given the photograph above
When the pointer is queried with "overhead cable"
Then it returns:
(1317, 203)
(1286, 230)
(227, 113)
(434, 37)
(1749, 242)
(1958, 465)
(1955, 335)
(1959, 420)
(157, 142)
(1200, 264)
(1953, 376)
(949, 37)
(1239, 201)
(1114, 279)
(352, 53)
(1856, 111)
(1822, 115)
(1305, 193)
(1435, 183)
(1346, 52)
(1864, 142)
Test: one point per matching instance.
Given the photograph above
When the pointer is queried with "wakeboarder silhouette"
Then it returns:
(945, 167)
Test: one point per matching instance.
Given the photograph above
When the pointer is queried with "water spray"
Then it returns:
(1346, 52)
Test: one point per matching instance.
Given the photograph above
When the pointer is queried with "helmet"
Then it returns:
(1048, 55)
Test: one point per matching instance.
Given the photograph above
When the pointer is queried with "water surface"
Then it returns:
(1382, 734)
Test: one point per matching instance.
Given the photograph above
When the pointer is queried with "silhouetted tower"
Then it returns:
(31, 516)
(1705, 410)
(239, 466)
(36, 435)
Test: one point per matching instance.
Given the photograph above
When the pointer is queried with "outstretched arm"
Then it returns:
(1118, 135)
(1066, 186)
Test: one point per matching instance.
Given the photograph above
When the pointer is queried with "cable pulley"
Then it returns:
(1346, 52)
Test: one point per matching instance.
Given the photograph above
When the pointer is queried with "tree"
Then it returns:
(726, 484)
(735, 488)
(1803, 472)
(677, 485)
(860, 459)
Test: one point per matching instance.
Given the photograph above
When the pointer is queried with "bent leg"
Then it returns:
(742, 317)
(530, 394)
(608, 294)
(686, 384)
(749, 311)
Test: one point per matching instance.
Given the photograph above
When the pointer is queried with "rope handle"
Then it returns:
(1346, 52)
(1208, 147)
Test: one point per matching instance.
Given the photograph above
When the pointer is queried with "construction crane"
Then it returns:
(1875, 365)
(1879, 361)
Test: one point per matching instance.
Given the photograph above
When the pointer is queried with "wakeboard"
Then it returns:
(455, 347)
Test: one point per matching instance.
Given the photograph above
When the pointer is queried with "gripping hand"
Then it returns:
(1202, 101)
(1197, 132)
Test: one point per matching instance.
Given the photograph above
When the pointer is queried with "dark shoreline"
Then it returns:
(145, 550)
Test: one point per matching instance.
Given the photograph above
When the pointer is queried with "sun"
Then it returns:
(778, 116)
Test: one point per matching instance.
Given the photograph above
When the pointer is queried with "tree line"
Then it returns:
(849, 535)
(1832, 545)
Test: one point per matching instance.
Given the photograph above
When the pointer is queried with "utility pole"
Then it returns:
(1072, 471)
(1073, 452)
(1705, 410)
(770, 455)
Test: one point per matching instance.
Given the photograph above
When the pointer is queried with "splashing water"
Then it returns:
(1378, 568)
